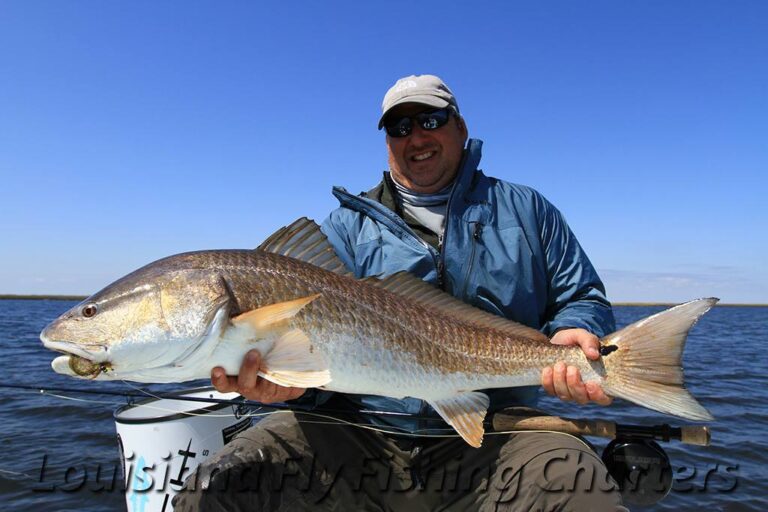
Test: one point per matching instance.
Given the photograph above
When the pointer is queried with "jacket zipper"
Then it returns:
(441, 239)
(456, 186)
(478, 228)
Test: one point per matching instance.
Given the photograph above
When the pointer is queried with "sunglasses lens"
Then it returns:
(433, 120)
(399, 128)
(427, 120)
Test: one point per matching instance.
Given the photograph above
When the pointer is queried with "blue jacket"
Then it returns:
(505, 249)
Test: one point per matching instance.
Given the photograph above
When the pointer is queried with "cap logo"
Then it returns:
(407, 84)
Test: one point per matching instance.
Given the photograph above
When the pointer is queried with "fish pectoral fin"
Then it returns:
(293, 361)
(266, 318)
(465, 413)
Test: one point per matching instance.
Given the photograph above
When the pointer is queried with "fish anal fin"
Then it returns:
(465, 413)
(294, 362)
(269, 318)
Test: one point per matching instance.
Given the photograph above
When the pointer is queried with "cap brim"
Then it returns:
(430, 101)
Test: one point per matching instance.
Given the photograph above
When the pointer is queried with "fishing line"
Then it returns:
(279, 408)
(234, 401)
(16, 473)
(342, 422)
(87, 400)
(141, 390)
(392, 429)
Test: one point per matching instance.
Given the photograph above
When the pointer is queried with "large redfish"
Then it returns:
(317, 326)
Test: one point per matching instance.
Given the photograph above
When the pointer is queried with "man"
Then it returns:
(498, 246)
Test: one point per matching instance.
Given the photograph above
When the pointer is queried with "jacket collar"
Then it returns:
(461, 188)
(468, 167)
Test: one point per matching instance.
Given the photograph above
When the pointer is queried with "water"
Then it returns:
(58, 454)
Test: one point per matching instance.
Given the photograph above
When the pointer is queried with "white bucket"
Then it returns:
(162, 441)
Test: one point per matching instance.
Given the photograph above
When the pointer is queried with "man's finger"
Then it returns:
(576, 386)
(597, 395)
(547, 381)
(285, 394)
(269, 391)
(590, 345)
(222, 382)
(561, 385)
(249, 371)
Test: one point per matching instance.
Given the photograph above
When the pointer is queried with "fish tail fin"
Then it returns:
(646, 365)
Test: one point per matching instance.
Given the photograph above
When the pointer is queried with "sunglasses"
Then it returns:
(432, 120)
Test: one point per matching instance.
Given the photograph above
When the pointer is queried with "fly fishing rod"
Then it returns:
(528, 419)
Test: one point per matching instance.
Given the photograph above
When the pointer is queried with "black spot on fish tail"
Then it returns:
(607, 349)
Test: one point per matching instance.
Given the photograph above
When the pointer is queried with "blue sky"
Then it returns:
(133, 130)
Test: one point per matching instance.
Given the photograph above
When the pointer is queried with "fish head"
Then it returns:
(152, 318)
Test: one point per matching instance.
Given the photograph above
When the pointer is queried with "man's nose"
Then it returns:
(417, 133)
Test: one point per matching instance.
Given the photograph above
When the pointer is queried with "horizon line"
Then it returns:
(11, 296)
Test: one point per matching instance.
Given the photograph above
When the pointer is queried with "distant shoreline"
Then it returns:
(670, 304)
(83, 297)
(41, 297)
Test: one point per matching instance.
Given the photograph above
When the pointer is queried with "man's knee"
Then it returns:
(573, 470)
(258, 463)
(551, 470)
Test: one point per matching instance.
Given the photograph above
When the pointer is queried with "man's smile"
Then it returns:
(424, 155)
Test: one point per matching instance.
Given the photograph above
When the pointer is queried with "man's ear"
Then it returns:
(462, 127)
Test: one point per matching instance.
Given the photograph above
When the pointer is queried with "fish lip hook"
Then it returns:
(86, 368)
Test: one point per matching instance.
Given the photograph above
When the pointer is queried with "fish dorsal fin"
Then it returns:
(303, 240)
(411, 287)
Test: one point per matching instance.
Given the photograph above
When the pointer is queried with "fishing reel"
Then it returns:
(640, 467)
(634, 459)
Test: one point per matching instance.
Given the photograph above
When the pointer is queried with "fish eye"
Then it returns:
(89, 310)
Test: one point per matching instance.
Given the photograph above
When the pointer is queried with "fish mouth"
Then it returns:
(95, 353)
(76, 366)
(77, 361)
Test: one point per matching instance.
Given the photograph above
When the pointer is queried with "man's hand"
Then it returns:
(250, 385)
(565, 382)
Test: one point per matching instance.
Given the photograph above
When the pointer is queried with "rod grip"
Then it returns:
(502, 421)
(696, 435)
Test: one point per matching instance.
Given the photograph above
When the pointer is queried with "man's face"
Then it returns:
(426, 161)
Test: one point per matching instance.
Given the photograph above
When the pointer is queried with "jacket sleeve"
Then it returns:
(335, 228)
(576, 295)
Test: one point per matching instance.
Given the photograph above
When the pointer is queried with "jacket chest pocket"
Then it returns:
(506, 276)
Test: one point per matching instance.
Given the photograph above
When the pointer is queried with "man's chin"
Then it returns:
(427, 181)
